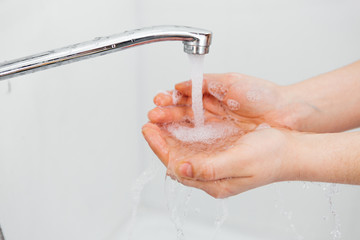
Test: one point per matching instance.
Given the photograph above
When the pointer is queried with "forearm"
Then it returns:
(326, 103)
(332, 157)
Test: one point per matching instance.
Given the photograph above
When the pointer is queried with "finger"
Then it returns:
(210, 80)
(175, 114)
(227, 164)
(185, 87)
(163, 98)
(156, 142)
(213, 105)
(216, 189)
(169, 114)
(172, 97)
(201, 169)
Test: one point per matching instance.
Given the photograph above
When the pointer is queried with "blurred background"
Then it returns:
(70, 137)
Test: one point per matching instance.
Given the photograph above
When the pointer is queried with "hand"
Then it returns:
(267, 155)
(242, 97)
(250, 101)
(255, 159)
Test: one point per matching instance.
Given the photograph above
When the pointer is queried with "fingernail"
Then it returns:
(186, 170)
(157, 100)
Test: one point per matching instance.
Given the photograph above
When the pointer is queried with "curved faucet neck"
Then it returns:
(196, 41)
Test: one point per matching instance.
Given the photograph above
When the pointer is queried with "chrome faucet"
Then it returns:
(196, 41)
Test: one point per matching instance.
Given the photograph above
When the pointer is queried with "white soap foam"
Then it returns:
(197, 65)
(208, 133)
(218, 90)
(233, 105)
(176, 95)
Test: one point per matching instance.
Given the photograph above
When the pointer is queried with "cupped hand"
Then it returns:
(255, 159)
(236, 95)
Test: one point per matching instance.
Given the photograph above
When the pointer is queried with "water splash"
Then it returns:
(177, 200)
(221, 216)
(137, 189)
(306, 185)
(280, 204)
(330, 190)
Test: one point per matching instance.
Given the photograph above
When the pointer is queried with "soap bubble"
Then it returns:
(233, 105)
(208, 133)
(176, 95)
(218, 90)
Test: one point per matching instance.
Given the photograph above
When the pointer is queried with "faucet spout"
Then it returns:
(196, 41)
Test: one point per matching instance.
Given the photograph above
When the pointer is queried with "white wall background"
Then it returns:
(70, 142)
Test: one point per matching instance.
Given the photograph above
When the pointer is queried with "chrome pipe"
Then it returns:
(196, 41)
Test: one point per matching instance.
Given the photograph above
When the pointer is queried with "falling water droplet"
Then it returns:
(221, 216)
(306, 185)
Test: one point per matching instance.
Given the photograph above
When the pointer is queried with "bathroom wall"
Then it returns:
(70, 139)
(68, 143)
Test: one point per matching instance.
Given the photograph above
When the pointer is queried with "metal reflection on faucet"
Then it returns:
(196, 41)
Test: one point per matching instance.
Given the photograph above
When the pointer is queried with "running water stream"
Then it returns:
(178, 196)
(197, 70)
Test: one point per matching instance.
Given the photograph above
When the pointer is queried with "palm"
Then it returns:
(222, 171)
(168, 148)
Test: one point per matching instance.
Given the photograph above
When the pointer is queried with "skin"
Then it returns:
(264, 156)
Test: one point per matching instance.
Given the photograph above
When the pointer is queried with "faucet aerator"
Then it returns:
(194, 49)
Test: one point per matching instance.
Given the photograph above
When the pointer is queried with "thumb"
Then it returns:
(205, 168)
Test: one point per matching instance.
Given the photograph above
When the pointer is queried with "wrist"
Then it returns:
(331, 157)
(296, 111)
(309, 153)
(293, 160)
(307, 157)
